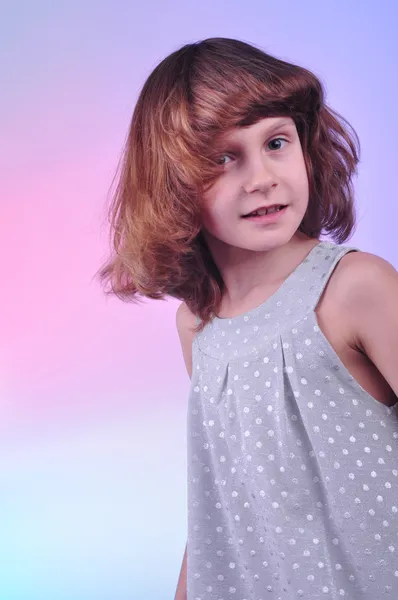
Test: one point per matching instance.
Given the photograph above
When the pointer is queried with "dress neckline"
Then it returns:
(274, 295)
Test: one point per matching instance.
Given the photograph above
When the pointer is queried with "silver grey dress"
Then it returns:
(292, 465)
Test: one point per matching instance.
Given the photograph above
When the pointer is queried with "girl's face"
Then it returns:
(263, 170)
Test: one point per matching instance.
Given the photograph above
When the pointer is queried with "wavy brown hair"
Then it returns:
(190, 99)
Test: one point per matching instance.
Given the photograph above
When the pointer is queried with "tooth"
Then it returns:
(264, 211)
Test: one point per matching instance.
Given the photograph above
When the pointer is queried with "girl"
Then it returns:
(234, 168)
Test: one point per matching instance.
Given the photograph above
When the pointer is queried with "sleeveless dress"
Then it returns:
(292, 465)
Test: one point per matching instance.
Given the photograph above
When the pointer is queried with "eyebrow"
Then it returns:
(279, 124)
(228, 138)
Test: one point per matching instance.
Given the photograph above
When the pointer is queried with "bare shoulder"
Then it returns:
(185, 319)
(362, 283)
(364, 263)
(186, 323)
(361, 277)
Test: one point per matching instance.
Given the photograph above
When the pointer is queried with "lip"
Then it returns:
(269, 218)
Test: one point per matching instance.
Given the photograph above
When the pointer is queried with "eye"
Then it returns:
(277, 143)
(223, 160)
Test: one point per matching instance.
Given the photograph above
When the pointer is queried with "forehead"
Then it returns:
(263, 127)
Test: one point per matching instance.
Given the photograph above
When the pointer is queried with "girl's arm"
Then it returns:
(181, 592)
(186, 322)
(371, 285)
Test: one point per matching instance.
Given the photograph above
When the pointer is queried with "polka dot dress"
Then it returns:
(292, 466)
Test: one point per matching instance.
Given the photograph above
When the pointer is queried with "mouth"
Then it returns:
(265, 210)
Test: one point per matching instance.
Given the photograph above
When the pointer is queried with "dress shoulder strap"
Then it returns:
(322, 265)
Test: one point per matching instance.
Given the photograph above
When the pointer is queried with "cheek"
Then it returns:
(212, 218)
(303, 184)
(305, 172)
(299, 179)
(215, 208)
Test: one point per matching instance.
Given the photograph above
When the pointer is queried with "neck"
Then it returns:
(248, 275)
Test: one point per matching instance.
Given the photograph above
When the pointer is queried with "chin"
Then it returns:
(262, 240)
(269, 240)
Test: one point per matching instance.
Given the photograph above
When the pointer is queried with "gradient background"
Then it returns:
(93, 391)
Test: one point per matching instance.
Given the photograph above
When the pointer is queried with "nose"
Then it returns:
(259, 176)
